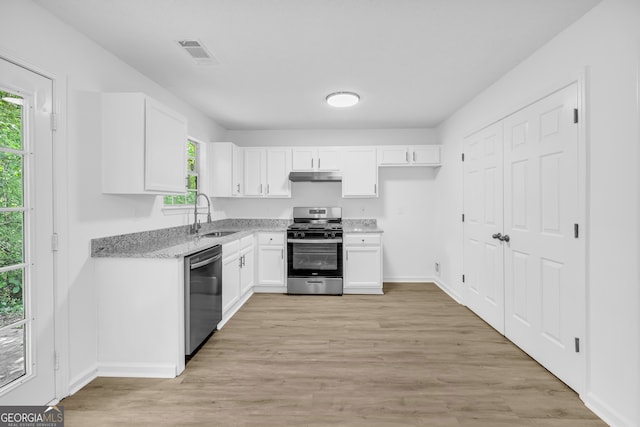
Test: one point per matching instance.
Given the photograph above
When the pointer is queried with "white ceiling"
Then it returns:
(414, 62)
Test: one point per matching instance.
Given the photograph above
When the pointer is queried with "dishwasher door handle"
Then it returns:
(205, 262)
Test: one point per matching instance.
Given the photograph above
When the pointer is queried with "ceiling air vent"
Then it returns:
(197, 51)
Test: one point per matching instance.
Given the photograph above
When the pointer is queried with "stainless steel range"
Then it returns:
(314, 249)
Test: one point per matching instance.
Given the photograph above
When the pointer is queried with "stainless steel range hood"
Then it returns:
(315, 176)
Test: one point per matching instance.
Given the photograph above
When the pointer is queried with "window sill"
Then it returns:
(181, 210)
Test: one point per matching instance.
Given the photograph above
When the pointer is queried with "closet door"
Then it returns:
(483, 207)
(544, 296)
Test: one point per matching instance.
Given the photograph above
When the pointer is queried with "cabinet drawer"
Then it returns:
(362, 240)
(230, 248)
(271, 239)
(246, 241)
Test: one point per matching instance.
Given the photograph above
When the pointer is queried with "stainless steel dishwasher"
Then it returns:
(202, 296)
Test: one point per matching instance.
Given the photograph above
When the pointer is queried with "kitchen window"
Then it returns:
(191, 180)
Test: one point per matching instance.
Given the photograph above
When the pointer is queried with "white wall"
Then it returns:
(404, 209)
(31, 36)
(607, 42)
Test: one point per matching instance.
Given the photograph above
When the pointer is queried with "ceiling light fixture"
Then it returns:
(343, 99)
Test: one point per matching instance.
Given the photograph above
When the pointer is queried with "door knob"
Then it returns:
(497, 236)
(505, 238)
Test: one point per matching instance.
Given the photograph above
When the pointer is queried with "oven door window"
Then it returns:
(315, 259)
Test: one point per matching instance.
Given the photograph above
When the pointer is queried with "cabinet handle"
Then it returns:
(267, 188)
(281, 253)
(238, 188)
(319, 163)
(414, 156)
(406, 156)
(347, 254)
(311, 163)
(240, 262)
(260, 189)
(375, 188)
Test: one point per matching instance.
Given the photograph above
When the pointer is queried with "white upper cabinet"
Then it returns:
(266, 172)
(224, 167)
(411, 155)
(316, 159)
(143, 146)
(278, 168)
(255, 171)
(359, 172)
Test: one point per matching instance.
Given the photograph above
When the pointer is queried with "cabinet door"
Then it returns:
(362, 266)
(247, 270)
(303, 159)
(425, 155)
(271, 265)
(165, 167)
(238, 169)
(230, 283)
(278, 165)
(254, 171)
(391, 155)
(220, 168)
(329, 159)
(360, 172)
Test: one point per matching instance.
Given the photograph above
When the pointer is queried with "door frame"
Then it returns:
(60, 225)
(581, 79)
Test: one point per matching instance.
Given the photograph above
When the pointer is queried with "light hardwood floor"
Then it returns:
(410, 357)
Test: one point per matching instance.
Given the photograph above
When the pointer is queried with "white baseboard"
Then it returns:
(137, 370)
(374, 290)
(235, 309)
(606, 412)
(447, 290)
(270, 289)
(83, 379)
(407, 279)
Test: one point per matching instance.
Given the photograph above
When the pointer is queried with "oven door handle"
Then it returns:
(314, 240)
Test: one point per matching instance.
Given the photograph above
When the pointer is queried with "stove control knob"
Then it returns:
(326, 235)
(333, 235)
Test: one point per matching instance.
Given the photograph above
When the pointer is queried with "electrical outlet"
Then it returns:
(437, 268)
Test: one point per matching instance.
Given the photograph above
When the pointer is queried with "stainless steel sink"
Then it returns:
(218, 233)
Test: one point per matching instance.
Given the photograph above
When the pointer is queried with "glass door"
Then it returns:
(26, 227)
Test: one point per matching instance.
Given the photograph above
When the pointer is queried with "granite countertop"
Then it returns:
(176, 242)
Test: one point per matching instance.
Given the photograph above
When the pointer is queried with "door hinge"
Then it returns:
(575, 115)
(576, 230)
(54, 121)
(577, 344)
(463, 157)
(54, 242)
(462, 217)
(56, 361)
(463, 278)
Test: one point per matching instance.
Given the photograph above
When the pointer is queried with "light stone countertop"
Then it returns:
(176, 242)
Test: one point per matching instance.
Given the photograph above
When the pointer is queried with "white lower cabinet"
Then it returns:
(362, 263)
(237, 275)
(271, 263)
(140, 317)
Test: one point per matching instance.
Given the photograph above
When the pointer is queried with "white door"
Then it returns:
(361, 262)
(254, 171)
(360, 172)
(304, 159)
(426, 155)
(271, 265)
(483, 253)
(329, 159)
(545, 298)
(26, 227)
(278, 165)
(246, 270)
(230, 282)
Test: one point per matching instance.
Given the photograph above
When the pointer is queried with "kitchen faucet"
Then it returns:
(196, 225)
